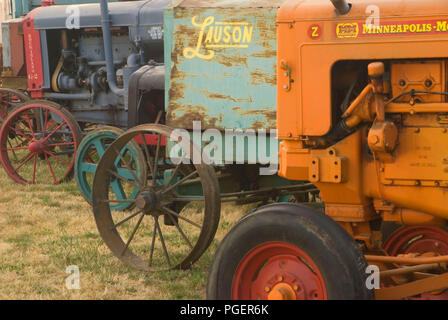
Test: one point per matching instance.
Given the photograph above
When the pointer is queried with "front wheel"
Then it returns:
(38, 143)
(288, 252)
(160, 232)
(90, 151)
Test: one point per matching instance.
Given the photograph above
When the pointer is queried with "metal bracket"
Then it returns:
(288, 72)
(326, 168)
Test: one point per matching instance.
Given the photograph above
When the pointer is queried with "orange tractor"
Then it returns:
(362, 113)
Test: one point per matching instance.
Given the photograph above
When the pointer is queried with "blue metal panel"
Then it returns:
(221, 64)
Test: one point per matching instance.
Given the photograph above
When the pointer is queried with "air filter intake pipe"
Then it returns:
(342, 7)
(107, 38)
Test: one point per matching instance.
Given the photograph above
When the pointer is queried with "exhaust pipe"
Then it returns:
(342, 7)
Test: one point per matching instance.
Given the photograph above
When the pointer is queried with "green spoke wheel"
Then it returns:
(90, 151)
(177, 208)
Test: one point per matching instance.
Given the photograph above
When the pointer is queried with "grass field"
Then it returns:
(46, 228)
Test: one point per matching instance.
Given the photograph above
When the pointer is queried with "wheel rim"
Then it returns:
(39, 140)
(419, 239)
(139, 238)
(278, 271)
(91, 149)
(9, 99)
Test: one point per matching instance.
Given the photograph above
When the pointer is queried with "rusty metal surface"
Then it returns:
(13, 49)
(413, 288)
(407, 260)
(20, 83)
(221, 64)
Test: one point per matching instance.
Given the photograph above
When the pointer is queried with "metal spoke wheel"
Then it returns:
(38, 143)
(177, 208)
(9, 99)
(89, 153)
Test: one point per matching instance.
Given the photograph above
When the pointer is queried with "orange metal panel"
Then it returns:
(322, 38)
(420, 76)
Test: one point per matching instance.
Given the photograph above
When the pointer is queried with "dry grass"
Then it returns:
(45, 228)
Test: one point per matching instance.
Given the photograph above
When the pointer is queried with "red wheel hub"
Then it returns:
(420, 239)
(278, 271)
(36, 147)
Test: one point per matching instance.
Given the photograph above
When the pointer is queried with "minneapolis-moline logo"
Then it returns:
(214, 35)
(347, 30)
(391, 28)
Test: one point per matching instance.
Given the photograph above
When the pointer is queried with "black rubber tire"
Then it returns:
(332, 249)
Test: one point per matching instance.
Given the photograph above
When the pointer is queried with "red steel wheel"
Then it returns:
(9, 99)
(419, 239)
(286, 251)
(278, 271)
(38, 142)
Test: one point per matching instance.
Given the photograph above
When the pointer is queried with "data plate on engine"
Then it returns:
(421, 158)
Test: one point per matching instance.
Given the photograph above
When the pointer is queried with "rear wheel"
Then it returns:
(417, 239)
(421, 240)
(9, 99)
(288, 252)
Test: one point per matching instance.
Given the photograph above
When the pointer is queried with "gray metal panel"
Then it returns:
(121, 13)
(92, 48)
(45, 60)
(6, 47)
(151, 14)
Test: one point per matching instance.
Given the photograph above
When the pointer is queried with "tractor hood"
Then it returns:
(135, 13)
(300, 10)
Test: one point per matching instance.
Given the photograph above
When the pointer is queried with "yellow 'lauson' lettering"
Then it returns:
(219, 35)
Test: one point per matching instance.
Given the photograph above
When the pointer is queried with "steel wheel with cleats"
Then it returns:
(90, 152)
(38, 143)
(177, 208)
(9, 99)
